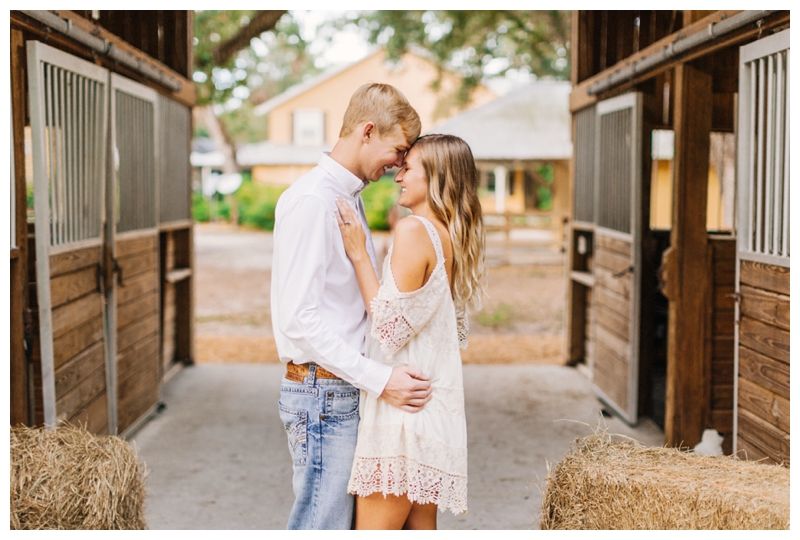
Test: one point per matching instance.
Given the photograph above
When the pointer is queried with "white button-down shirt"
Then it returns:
(318, 314)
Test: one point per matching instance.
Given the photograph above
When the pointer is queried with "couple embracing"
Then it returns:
(372, 399)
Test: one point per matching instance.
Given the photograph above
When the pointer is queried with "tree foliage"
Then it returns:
(262, 68)
(475, 44)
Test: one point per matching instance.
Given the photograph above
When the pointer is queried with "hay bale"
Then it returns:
(70, 479)
(606, 484)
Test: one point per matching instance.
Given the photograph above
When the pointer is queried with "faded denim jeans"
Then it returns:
(321, 421)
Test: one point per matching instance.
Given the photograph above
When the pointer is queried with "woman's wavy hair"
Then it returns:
(453, 197)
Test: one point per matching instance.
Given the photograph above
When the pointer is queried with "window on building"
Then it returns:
(490, 181)
(309, 127)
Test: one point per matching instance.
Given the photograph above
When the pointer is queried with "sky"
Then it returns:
(348, 46)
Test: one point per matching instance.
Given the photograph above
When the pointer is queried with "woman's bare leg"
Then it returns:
(422, 517)
(374, 512)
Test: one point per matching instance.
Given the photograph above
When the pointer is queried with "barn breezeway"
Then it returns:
(217, 453)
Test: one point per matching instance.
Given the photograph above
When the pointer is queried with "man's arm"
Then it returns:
(304, 246)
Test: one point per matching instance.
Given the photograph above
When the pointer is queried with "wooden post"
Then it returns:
(18, 384)
(687, 261)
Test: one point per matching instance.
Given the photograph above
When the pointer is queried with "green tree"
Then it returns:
(243, 58)
(476, 44)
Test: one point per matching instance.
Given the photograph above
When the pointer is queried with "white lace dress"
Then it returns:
(424, 454)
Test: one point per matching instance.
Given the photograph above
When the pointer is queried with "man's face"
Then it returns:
(384, 152)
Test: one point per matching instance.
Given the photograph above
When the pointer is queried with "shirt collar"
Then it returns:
(349, 182)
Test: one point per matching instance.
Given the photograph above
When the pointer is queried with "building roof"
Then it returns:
(269, 153)
(530, 123)
(300, 88)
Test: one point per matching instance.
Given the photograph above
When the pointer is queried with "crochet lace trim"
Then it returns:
(400, 475)
(398, 316)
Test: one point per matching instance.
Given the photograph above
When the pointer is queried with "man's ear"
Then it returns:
(368, 130)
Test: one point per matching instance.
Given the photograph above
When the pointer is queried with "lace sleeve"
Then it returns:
(397, 318)
(462, 324)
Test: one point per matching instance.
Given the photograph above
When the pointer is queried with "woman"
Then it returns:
(409, 464)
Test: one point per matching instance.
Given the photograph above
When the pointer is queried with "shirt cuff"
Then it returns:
(374, 377)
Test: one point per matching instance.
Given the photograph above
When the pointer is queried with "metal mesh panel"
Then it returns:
(766, 231)
(73, 111)
(175, 171)
(136, 173)
(584, 164)
(614, 181)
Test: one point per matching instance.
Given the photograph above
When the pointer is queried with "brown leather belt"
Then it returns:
(297, 372)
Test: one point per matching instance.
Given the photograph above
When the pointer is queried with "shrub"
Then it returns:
(379, 198)
(256, 203)
(200, 208)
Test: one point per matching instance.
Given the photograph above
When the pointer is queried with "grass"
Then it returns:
(502, 316)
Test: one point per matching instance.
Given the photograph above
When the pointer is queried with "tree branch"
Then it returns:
(262, 22)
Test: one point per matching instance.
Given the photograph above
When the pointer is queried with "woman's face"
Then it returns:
(413, 182)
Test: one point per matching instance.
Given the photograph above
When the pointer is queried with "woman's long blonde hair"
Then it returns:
(453, 197)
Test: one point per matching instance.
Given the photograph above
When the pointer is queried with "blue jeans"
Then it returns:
(321, 421)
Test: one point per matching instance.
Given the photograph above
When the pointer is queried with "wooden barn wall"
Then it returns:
(607, 37)
(589, 331)
(165, 35)
(611, 299)
(168, 310)
(78, 338)
(176, 297)
(763, 396)
(721, 339)
(138, 328)
(18, 271)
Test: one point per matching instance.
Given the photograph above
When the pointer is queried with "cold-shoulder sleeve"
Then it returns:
(397, 317)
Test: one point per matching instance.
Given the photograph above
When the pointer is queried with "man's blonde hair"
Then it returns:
(385, 106)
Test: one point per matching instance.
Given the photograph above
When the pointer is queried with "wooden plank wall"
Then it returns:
(138, 328)
(176, 298)
(590, 335)
(763, 400)
(721, 338)
(79, 348)
(18, 273)
(611, 299)
(167, 301)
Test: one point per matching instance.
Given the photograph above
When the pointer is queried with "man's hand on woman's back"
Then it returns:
(408, 389)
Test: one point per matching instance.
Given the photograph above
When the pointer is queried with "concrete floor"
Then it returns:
(217, 454)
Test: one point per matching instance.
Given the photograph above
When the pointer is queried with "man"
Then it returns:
(318, 315)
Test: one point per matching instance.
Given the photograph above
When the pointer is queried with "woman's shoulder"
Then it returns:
(410, 227)
(410, 234)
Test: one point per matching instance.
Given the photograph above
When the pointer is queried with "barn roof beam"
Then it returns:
(677, 47)
(105, 48)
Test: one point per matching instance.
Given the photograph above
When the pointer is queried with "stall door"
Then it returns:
(68, 118)
(133, 250)
(616, 256)
(761, 404)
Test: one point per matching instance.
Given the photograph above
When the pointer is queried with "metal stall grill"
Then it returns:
(175, 174)
(68, 119)
(136, 165)
(764, 151)
(614, 179)
(584, 165)
(74, 141)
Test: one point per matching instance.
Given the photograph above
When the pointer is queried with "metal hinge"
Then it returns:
(737, 297)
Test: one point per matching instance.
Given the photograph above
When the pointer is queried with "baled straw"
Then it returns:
(70, 479)
(605, 484)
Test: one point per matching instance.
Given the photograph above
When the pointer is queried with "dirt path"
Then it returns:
(522, 320)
